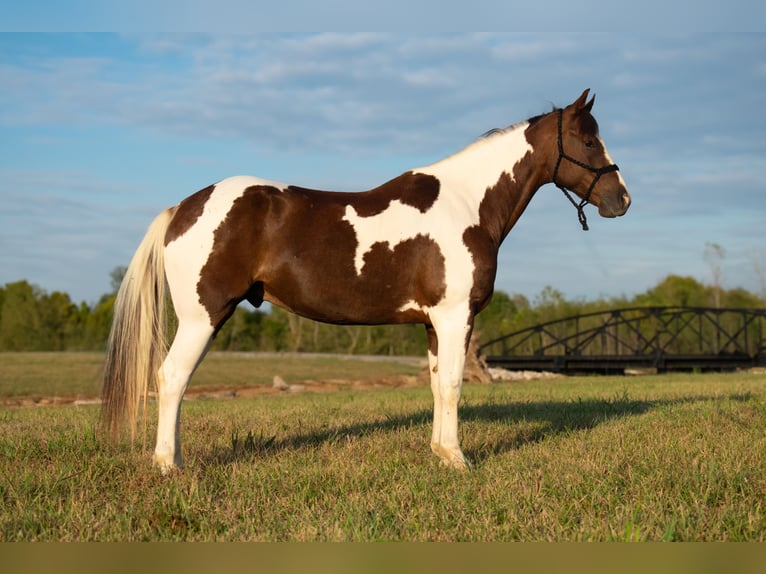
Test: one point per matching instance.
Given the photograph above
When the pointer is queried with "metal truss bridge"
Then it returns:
(661, 338)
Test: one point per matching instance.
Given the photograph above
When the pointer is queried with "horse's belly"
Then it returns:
(348, 304)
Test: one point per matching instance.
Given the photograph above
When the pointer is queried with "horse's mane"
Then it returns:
(510, 128)
(588, 124)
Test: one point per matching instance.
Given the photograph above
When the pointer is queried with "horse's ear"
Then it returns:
(589, 106)
(582, 104)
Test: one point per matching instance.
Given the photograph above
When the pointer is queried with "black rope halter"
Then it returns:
(599, 171)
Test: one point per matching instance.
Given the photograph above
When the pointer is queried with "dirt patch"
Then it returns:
(233, 392)
(38, 401)
(279, 387)
(311, 386)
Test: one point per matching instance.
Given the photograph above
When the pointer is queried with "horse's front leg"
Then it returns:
(453, 331)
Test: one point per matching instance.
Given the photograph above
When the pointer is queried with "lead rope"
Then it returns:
(599, 171)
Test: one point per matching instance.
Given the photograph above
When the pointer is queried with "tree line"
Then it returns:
(32, 319)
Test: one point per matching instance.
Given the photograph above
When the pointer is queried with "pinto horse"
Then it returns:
(421, 248)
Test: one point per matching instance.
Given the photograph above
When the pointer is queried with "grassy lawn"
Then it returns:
(670, 457)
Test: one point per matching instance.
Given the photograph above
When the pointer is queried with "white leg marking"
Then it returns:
(452, 329)
(188, 349)
(433, 368)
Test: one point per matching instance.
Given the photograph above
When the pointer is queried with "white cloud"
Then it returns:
(532, 48)
(679, 119)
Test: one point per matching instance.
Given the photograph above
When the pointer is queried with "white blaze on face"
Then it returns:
(611, 161)
(464, 179)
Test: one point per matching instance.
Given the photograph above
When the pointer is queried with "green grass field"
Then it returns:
(669, 457)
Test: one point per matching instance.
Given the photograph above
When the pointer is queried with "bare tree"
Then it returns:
(758, 259)
(116, 276)
(714, 255)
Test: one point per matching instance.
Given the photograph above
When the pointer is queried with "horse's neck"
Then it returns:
(478, 167)
(477, 172)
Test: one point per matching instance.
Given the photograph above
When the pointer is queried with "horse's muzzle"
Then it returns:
(614, 205)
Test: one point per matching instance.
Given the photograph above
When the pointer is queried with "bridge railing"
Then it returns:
(637, 336)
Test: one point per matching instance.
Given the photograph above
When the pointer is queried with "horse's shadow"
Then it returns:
(547, 418)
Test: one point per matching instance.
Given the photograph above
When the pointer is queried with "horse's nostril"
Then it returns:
(626, 199)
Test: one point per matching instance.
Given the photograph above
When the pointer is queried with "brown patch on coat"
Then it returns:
(187, 213)
(418, 190)
(226, 277)
(292, 248)
(500, 209)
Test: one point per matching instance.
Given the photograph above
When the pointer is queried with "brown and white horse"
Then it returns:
(421, 248)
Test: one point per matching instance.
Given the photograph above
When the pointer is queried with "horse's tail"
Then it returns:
(137, 343)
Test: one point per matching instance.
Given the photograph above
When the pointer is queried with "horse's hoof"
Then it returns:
(459, 464)
(166, 466)
(451, 459)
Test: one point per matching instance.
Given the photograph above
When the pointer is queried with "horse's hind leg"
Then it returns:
(433, 371)
(189, 347)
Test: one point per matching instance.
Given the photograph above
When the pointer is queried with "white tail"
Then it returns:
(137, 343)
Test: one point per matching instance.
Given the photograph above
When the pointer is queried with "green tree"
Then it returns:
(242, 332)
(739, 298)
(500, 316)
(31, 319)
(20, 328)
(675, 290)
(98, 322)
(59, 321)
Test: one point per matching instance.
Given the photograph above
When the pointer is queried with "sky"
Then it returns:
(99, 132)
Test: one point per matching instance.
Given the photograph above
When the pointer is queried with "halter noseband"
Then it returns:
(599, 171)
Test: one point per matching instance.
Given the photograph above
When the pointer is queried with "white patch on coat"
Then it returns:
(187, 255)
(464, 179)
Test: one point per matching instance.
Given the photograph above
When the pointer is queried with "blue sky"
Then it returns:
(99, 132)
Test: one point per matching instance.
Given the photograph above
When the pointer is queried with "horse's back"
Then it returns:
(300, 249)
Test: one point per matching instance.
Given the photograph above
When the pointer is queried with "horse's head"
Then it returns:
(581, 163)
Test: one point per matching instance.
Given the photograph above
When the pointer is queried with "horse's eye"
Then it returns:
(590, 144)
